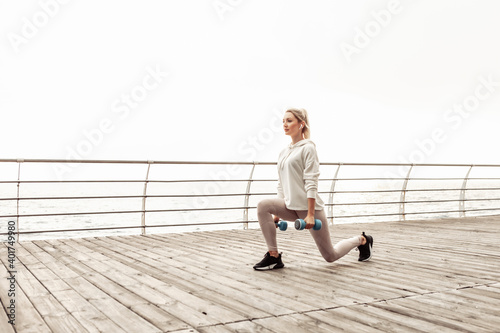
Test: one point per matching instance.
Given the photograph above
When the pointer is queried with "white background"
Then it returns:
(233, 68)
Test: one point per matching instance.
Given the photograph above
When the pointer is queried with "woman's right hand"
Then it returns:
(276, 218)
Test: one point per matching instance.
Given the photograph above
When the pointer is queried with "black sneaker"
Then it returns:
(365, 251)
(269, 262)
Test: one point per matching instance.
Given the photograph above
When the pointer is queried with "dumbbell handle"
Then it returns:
(300, 224)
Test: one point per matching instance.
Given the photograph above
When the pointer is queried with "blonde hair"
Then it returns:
(301, 115)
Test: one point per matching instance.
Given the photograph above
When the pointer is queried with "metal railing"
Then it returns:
(379, 194)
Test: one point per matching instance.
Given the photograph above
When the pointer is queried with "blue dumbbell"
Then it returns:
(282, 225)
(300, 224)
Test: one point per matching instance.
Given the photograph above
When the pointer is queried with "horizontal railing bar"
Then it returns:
(199, 224)
(212, 180)
(32, 160)
(415, 213)
(417, 190)
(77, 161)
(232, 194)
(235, 195)
(129, 227)
(217, 181)
(455, 211)
(411, 164)
(391, 190)
(391, 179)
(416, 178)
(125, 212)
(72, 214)
(133, 181)
(68, 230)
(139, 196)
(408, 202)
(69, 181)
(482, 189)
(364, 215)
(71, 198)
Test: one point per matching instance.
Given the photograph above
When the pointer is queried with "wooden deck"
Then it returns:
(428, 276)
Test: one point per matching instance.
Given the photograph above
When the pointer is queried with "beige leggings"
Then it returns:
(268, 207)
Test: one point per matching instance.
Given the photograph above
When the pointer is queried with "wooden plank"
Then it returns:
(86, 314)
(160, 317)
(465, 296)
(247, 327)
(352, 319)
(123, 316)
(423, 312)
(457, 317)
(215, 329)
(114, 310)
(311, 324)
(407, 318)
(284, 324)
(5, 326)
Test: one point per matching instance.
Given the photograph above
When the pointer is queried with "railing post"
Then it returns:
(19, 161)
(332, 191)
(247, 197)
(461, 203)
(144, 196)
(402, 199)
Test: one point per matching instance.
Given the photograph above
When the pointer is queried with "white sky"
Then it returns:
(233, 71)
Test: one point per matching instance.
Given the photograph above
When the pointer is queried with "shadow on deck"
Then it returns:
(431, 276)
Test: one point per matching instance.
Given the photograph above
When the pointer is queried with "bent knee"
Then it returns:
(330, 258)
(264, 205)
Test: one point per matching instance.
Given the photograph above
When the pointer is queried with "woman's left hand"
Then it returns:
(309, 221)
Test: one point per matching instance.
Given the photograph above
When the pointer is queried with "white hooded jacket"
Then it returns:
(298, 173)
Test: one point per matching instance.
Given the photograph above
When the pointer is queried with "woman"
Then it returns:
(298, 172)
